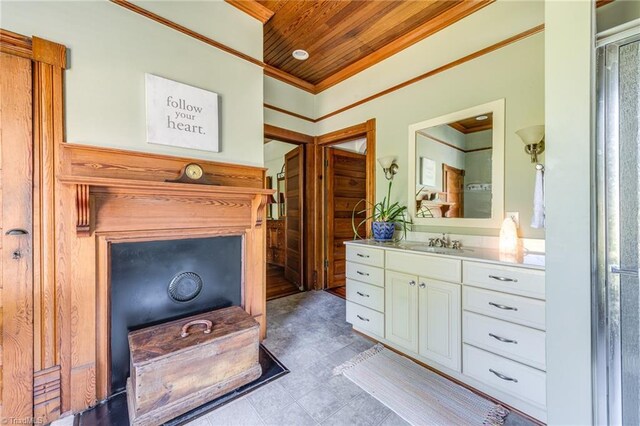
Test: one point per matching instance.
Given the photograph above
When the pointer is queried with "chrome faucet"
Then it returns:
(444, 242)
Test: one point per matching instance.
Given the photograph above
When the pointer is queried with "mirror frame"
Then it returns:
(497, 162)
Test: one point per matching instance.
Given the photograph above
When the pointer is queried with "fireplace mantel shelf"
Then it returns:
(86, 186)
(134, 184)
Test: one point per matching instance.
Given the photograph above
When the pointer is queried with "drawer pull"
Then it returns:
(412, 283)
(502, 339)
(364, 274)
(362, 294)
(366, 256)
(503, 377)
(363, 318)
(503, 279)
(505, 307)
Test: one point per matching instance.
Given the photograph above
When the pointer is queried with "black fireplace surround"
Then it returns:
(159, 281)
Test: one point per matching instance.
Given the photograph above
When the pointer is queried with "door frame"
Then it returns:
(308, 203)
(367, 130)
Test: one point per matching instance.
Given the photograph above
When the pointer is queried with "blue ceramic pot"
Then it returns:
(383, 231)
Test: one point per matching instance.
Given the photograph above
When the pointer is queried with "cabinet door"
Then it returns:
(440, 324)
(401, 310)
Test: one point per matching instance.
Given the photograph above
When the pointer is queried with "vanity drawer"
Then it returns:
(367, 295)
(365, 255)
(365, 319)
(509, 376)
(521, 310)
(438, 268)
(365, 273)
(513, 341)
(525, 282)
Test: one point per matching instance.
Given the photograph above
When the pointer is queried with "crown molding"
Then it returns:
(252, 8)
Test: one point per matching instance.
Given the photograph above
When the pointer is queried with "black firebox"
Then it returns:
(159, 281)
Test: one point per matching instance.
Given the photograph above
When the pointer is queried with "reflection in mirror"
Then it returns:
(453, 169)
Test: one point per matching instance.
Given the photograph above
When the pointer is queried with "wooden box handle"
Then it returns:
(185, 328)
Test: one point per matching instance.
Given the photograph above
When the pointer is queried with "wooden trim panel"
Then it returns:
(253, 9)
(293, 114)
(15, 44)
(429, 28)
(49, 53)
(343, 135)
(285, 135)
(278, 74)
(91, 161)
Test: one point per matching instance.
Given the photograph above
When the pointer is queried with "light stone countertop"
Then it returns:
(525, 259)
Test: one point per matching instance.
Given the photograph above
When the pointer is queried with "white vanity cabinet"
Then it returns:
(478, 320)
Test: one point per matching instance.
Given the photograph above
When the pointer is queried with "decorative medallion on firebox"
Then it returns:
(185, 287)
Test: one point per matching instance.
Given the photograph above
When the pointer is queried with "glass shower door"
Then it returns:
(617, 295)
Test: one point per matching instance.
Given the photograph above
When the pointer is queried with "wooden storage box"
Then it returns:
(180, 365)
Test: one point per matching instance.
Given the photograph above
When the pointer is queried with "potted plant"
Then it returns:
(387, 217)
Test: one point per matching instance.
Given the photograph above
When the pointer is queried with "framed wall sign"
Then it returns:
(181, 115)
(427, 172)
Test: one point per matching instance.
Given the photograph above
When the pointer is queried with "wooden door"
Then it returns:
(453, 186)
(401, 309)
(293, 195)
(439, 318)
(16, 284)
(346, 177)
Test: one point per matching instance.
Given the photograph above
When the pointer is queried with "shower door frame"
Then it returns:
(606, 346)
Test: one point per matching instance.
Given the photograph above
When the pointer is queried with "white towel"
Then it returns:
(538, 201)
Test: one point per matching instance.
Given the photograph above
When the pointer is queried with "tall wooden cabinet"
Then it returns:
(275, 242)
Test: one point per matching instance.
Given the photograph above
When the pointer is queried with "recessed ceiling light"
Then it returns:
(300, 54)
(482, 117)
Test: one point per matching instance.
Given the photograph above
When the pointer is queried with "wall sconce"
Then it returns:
(533, 138)
(389, 166)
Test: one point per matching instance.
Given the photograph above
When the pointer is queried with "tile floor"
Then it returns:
(308, 333)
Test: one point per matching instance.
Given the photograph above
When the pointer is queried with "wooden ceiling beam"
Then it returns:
(253, 8)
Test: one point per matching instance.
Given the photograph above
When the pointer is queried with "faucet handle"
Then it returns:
(432, 242)
(455, 244)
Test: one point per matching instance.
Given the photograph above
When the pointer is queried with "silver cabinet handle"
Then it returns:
(503, 279)
(16, 232)
(503, 377)
(505, 307)
(502, 339)
(363, 318)
(362, 294)
(362, 273)
(412, 283)
(624, 271)
(366, 256)
(422, 285)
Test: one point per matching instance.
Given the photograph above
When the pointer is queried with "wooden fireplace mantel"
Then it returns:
(162, 205)
(114, 196)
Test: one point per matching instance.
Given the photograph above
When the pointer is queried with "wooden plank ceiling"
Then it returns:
(473, 124)
(339, 33)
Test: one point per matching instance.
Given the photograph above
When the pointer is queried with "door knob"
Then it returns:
(17, 254)
(412, 283)
(422, 285)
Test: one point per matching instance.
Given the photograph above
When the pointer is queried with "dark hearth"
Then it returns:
(159, 281)
(113, 412)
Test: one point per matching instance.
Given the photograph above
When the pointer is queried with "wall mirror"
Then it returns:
(456, 168)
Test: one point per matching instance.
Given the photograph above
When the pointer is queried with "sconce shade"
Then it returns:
(387, 161)
(531, 135)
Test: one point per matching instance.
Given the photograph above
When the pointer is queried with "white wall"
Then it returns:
(569, 105)
(515, 72)
(292, 99)
(110, 50)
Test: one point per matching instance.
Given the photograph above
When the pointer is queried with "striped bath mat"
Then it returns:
(417, 394)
